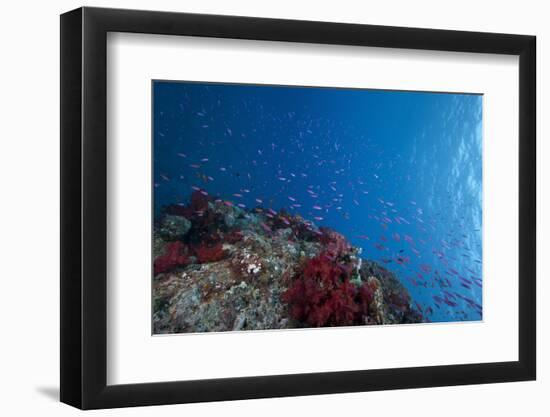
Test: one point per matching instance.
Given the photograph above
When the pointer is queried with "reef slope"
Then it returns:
(219, 267)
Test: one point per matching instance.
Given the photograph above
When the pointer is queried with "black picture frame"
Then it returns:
(84, 207)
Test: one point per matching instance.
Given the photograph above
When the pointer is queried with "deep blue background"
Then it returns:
(398, 173)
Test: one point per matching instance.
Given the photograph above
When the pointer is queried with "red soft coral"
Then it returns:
(207, 254)
(199, 201)
(197, 206)
(174, 256)
(179, 210)
(335, 244)
(322, 295)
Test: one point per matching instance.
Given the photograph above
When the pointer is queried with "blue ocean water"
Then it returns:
(398, 173)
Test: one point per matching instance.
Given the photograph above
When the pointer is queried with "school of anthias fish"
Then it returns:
(285, 165)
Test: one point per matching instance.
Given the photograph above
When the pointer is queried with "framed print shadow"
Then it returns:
(256, 208)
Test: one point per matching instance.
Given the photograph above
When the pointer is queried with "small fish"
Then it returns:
(259, 201)
(182, 155)
(401, 260)
(241, 205)
(204, 160)
(291, 198)
(450, 303)
(467, 281)
(317, 208)
(237, 195)
(318, 218)
(437, 298)
(448, 294)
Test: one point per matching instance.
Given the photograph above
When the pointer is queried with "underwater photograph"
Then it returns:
(288, 207)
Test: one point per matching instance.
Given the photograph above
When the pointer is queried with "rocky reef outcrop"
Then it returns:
(219, 267)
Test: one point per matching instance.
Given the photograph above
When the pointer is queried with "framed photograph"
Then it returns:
(256, 208)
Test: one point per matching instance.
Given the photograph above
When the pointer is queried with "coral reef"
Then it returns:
(219, 267)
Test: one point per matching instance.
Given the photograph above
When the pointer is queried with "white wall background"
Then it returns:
(29, 237)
